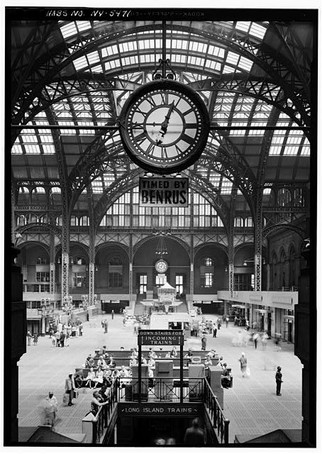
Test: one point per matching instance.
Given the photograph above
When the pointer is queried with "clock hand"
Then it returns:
(165, 124)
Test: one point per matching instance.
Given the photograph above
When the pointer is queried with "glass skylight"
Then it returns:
(73, 28)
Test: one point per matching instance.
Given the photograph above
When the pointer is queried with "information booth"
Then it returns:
(163, 373)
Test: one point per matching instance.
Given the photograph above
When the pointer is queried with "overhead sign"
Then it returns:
(168, 192)
(156, 409)
(161, 337)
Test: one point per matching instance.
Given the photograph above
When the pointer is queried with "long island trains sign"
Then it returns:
(159, 409)
(168, 192)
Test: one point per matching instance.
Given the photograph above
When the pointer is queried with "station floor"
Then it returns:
(251, 405)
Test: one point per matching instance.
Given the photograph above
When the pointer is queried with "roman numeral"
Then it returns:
(188, 139)
(151, 101)
(165, 98)
(140, 137)
(150, 149)
(188, 111)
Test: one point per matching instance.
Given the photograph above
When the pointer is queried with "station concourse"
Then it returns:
(161, 186)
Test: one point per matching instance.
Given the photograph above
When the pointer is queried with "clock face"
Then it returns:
(161, 266)
(164, 126)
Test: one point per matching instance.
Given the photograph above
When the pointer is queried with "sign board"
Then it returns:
(157, 409)
(168, 192)
(160, 337)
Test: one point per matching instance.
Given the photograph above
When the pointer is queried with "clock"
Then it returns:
(161, 266)
(164, 126)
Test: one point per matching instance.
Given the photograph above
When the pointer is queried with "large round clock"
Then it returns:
(164, 126)
(161, 266)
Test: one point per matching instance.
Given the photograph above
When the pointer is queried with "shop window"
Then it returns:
(179, 284)
(115, 272)
(143, 283)
(42, 276)
(79, 280)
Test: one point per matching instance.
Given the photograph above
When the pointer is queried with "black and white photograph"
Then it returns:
(160, 178)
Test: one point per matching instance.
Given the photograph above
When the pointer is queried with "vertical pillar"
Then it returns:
(258, 242)
(13, 215)
(52, 265)
(91, 283)
(131, 269)
(192, 271)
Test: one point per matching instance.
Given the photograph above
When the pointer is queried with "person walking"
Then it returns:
(243, 364)
(112, 313)
(29, 337)
(69, 389)
(194, 435)
(279, 381)
(255, 339)
(214, 329)
(50, 409)
(35, 339)
(203, 342)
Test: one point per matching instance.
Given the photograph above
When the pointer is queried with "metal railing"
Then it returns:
(98, 426)
(161, 389)
(216, 415)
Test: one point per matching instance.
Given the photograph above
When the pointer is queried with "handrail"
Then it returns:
(100, 423)
(218, 420)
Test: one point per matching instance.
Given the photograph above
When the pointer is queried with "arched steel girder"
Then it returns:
(47, 69)
(118, 188)
(297, 51)
(268, 230)
(225, 164)
(123, 185)
(94, 160)
(229, 155)
(239, 84)
(40, 228)
(258, 88)
(150, 237)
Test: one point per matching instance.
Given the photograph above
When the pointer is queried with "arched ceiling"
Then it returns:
(69, 80)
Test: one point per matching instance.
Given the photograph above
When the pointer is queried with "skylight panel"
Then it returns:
(257, 30)
(97, 186)
(16, 149)
(216, 51)
(80, 63)
(245, 63)
(243, 26)
(83, 25)
(32, 149)
(56, 190)
(68, 30)
(305, 151)
(211, 64)
(226, 186)
(93, 57)
(238, 132)
(232, 58)
(228, 69)
(49, 149)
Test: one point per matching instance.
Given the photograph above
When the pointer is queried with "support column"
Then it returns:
(52, 266)
(192, 281)
(130, 269)
(231, 268)
(258, 243)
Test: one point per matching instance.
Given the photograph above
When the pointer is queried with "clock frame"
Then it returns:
(161, 266)
(164, 126)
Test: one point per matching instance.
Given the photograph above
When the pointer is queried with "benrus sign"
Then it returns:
(164, 191)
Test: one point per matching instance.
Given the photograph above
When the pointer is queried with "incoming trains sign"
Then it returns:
(168, 192)
(160, 337)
